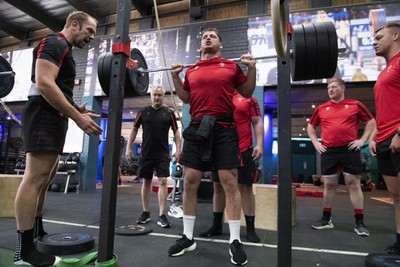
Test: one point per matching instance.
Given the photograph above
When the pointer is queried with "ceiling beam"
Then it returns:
(12, 30)
(143, 9)
(39, 15)
(77, 4)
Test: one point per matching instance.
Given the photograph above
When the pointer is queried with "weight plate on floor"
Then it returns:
(382, 260)
(65, 243)
(132, 229)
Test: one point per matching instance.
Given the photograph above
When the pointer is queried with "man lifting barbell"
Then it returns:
(211, 139)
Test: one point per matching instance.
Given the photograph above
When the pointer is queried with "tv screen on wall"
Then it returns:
(353, 28)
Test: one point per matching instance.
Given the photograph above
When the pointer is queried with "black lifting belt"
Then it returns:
(206, 132)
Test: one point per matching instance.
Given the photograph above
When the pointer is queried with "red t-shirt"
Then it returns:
(211, 84)
(246, 108)
(387, 100)
(339, 121)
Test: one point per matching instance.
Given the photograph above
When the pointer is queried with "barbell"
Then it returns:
(314, 55)
(6, 77)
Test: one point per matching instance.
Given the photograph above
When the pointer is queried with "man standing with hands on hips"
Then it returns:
(211, 139)
(340, 150)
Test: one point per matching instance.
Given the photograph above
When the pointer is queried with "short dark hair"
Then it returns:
(389, 25)
(80, 16)
(211, 30)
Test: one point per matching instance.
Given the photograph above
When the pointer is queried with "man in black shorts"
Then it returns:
(211, 139)
(247, 113)
(156, 121)
(340, 150)
(44, 125)
(385, 140)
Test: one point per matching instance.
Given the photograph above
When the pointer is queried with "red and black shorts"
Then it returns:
(338, 159)
(43, 127)
(247, 174)
(388, 162)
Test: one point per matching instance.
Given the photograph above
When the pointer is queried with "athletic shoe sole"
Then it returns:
(164, 225)
(191, 248)
(143, 222)
(174, 214)
(360, 233)
(244, 263)
(328, 226)
(25, 263)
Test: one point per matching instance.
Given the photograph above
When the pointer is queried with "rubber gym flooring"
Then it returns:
(80, 213)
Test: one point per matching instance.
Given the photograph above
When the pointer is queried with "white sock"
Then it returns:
(234, 229)
(188, 226)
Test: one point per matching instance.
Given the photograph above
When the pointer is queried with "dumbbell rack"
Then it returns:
(68, 173)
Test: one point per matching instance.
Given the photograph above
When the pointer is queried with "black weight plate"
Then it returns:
(382, 260)
(311, 49)
(104, 71)
(333, 49)
(298, 61)
(132, 229)
(6, 82)
(139, 80)
(323, 49)
(65, 243)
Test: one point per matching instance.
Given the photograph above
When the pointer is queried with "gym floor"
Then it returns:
(80, 213)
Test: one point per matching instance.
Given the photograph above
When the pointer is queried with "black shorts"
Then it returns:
(43, 127)
(388, 162)
(338, 159)
(147, 167)
(247, 174)
(225, 150)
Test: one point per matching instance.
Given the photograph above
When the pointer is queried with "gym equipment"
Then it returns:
(6, 77)
(132, 230)
(16, 142)
(314, 55)
(65, 243)
(55, 187)
(62, 166)
(135, 85)
(382, 260)
(314, 45)
(75, 156)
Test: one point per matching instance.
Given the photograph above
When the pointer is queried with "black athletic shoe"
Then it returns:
(144, 218)
(322, 224)
(163, 222)
(361, 230)
(181, 246)
(213, 231)
(393, 249)
(238, 256)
